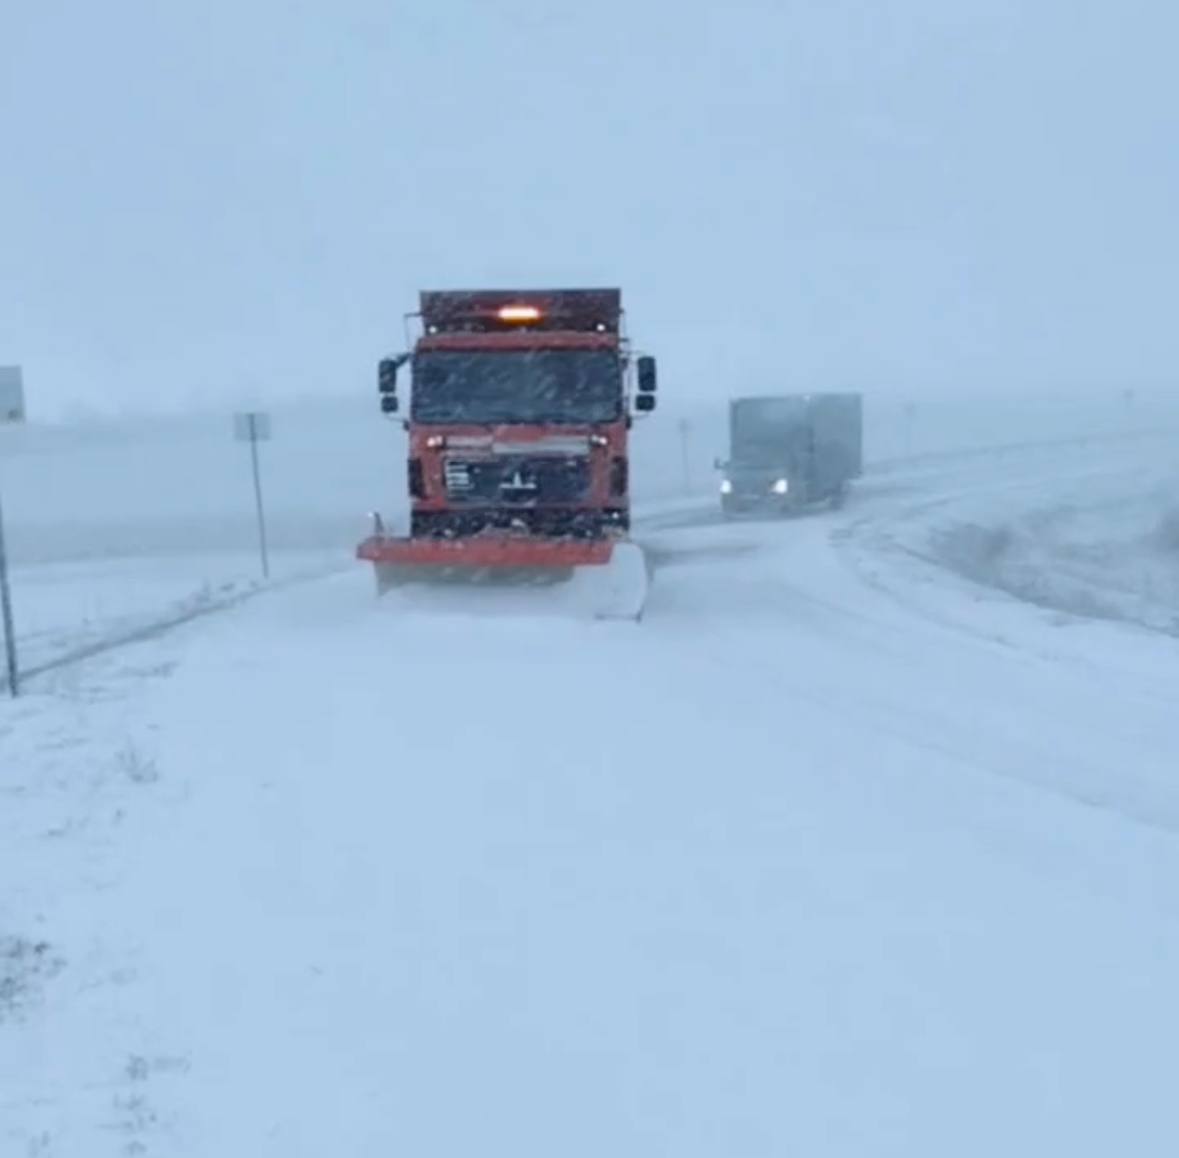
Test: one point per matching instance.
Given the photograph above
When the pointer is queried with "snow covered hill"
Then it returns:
(842, 852)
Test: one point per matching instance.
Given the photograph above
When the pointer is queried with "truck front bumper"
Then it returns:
(747, 504)
(486, 551)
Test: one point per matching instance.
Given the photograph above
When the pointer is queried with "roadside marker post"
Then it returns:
(253, 426)
(12, 413)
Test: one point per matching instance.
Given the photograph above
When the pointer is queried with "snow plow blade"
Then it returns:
(607, 577)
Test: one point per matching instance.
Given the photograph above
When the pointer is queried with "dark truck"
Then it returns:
(790, 451)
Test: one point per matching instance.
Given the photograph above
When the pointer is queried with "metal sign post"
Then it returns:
(12, 412)
(686, 453)
(6, 615)
(254, 427)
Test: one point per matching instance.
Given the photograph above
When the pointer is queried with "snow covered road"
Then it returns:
(839, 853)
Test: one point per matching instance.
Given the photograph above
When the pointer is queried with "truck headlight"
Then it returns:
(726, 486)
(781, 486)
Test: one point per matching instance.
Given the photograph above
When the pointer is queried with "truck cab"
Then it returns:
(519, 414)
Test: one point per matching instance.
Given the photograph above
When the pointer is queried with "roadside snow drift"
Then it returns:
(1110, 556)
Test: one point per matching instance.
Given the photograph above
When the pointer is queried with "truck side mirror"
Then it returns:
(647, 381)
(645, 402)
(389, 403)
(387, 376)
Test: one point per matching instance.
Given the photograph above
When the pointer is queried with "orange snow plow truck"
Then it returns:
(519, 416)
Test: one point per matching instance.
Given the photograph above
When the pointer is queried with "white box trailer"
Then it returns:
(838, 424)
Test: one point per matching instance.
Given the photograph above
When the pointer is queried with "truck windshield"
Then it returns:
(517, 386)
(768, 430)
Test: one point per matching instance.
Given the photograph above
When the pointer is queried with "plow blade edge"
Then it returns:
(610, 578)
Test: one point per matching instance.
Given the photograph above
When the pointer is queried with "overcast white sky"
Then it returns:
(201, 201)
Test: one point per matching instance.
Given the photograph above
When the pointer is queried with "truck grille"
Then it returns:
(516, 480)
(545, 522)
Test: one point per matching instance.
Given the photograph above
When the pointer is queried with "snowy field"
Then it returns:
(844, 851)
(69, 609)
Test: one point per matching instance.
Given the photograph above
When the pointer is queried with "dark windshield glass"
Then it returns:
(769, 430)
(523, 386)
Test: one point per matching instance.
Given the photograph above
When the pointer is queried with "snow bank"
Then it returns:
(69, 610)
(1113, 555)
